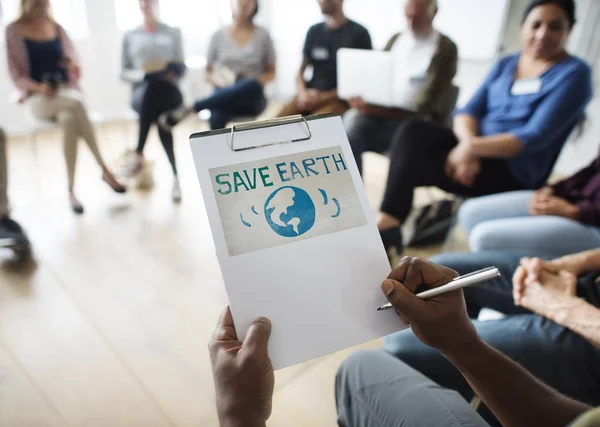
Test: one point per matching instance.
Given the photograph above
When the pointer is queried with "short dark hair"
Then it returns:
(568, 6)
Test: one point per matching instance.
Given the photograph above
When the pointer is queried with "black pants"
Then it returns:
(150, 99)
(418, 158)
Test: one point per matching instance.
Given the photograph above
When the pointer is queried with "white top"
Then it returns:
(412, 59)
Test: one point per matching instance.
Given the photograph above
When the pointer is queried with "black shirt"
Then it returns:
(321, 46)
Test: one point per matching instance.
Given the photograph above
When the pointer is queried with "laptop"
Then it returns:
(366, 73)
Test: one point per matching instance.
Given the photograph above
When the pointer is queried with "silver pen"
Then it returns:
(458, 283)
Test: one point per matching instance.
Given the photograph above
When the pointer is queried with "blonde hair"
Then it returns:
(27, 6)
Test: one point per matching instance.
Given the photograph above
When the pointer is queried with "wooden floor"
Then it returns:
(109, 326)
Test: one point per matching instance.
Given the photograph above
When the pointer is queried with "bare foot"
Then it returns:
(386, 221)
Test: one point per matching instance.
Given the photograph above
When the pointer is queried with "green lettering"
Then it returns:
(251, 182)
(238, 182)
(220, 180)
(264, 176)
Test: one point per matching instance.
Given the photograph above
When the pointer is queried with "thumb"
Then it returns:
(257, 338)
(402, 299)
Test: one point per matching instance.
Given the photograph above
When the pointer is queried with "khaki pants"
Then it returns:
(335, 106)
(67, 108)
(4, 209)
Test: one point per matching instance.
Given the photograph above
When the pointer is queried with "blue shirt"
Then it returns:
(44, 60)
(542, 121)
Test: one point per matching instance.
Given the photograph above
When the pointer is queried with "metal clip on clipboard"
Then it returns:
(267, 124)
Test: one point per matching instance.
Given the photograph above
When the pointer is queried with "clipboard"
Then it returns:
(294, 234)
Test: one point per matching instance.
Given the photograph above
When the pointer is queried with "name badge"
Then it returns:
(418, 79)
(526, 87)
(320, 54)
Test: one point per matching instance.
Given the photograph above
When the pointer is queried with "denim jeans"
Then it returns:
(243, 98)
(502, 222)
(551, 352)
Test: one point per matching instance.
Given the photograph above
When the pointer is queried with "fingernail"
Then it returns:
(388, 288)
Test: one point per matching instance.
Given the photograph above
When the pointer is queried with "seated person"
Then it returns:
(508, 136)
(319, 94)
(375, 389)
(152, 61)
(240, 63)
(428, 61)
(43, 66)
(552, 319)
(9, 229)
(556, 220)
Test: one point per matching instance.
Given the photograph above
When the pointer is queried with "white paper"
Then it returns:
(305, 251)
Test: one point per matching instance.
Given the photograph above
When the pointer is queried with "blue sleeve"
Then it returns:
(560, 110)
(477, 105)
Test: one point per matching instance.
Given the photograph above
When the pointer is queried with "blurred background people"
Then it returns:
(43, 65)
(319, 94)
(508, 136)
(427, 61)
(153, 62)
(240, 63)
(556, 220)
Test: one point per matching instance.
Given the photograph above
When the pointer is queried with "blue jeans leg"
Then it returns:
(513, 204)
(244, 97)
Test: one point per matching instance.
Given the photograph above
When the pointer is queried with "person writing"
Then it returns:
(550, 309)
(240, 63)
(374, 388)
(511, 132)
(426, 61)
(323, 40)
(531, 221)
(152, 61)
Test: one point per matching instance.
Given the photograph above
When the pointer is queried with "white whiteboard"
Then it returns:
(476, 26)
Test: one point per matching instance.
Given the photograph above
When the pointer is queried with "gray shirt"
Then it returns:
(250, 60)
(141, 46)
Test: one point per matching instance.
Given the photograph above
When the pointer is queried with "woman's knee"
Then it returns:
(471, 213)
(487, 236)
(66, 117)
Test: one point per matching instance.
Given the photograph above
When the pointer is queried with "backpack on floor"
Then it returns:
(433, 222)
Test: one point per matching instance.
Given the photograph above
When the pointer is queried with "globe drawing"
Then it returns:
(290, 212)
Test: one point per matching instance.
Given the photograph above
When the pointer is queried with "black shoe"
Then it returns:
(10, 230)
(167, 121)
(77, 208)
(392, 239)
